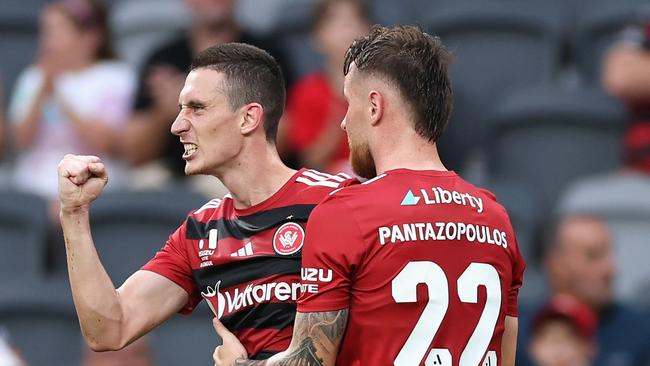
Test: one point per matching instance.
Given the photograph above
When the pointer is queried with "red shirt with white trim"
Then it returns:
(246, 262)
(427, 264)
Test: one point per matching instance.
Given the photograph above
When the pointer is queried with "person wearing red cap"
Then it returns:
(564, 333)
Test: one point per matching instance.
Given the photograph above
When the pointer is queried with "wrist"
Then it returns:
(72, 210)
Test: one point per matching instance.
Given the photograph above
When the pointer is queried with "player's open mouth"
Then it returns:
(190, 150)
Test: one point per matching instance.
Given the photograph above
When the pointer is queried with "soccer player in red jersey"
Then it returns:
(240, 253)
(415, 266)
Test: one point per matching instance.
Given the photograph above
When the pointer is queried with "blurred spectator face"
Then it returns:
(214, 13)
(207, 125)
(563, 334)
(339, 23)
(69, 33)
(136, 354)
(556, 343)
(582, 263)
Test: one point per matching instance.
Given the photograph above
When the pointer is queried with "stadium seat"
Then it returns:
(139, 26)
(40, 320)
(497, 45)
(130, 227)
(296, 45)
(547, 137)
(597, 28)
(18, 39)
(623, 200)
(185, 340)
(23, 231)
(521, 205)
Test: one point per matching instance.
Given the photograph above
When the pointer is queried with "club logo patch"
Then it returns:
(288, 239)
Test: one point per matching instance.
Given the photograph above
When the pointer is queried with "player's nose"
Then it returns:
(180, 125)
(343, 124)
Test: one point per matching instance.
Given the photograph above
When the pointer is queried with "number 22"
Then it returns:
(404, 288)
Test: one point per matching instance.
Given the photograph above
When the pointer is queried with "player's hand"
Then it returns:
(81, 180)
(230, 350)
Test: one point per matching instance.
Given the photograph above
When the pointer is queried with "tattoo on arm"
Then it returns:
(316, 338)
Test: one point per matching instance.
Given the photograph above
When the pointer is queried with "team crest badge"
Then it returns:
(288, 239)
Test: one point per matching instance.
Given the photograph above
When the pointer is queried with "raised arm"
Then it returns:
(315, 342)
(110, 319)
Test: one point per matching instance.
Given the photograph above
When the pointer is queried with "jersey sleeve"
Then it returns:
(518, 267)
(331, 254)
(172, 262)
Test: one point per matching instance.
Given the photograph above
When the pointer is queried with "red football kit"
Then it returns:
(427, 264)
(246, 262)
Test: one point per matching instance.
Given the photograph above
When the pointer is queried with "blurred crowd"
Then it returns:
(552, 113)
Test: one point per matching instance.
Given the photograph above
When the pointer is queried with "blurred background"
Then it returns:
(552, 114)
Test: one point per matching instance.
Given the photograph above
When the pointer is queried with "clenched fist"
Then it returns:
(81, 180)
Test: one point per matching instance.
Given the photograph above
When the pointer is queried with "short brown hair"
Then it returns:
(251, 76)
(417, 63)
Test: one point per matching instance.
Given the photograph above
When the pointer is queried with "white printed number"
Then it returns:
(404, 287)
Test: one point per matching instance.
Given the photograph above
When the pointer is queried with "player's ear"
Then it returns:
(252, 117)
(375, 106)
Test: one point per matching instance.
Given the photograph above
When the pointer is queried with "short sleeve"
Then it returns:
(518, 268)
(172, 262)
(331, 254)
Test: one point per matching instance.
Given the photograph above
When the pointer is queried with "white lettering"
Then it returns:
(409, 232)
(384, 233)
(424, 231)
(456, 196)
(396, 235)
(282, 291)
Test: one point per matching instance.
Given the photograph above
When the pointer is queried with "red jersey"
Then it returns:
(246, 263)
(427, 264)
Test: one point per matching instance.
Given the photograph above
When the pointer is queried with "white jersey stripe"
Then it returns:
(312, 175)
(313, 183)
(327, 176)
(374, 179)
(214, 203)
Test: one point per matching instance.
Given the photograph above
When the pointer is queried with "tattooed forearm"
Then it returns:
(316, 337)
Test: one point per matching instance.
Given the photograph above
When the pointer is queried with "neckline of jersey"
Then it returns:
(435, 173)
(270, 200)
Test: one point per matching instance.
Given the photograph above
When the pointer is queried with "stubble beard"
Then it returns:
(363, 164)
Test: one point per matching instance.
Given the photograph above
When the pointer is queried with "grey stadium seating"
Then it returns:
(597, 28)
(497, 45)
(185, 340)
(130, 227)
(23, 231)
(141, 25)
(546, 137)
(40, 320)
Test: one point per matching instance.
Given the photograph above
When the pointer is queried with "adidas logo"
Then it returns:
(246, 251)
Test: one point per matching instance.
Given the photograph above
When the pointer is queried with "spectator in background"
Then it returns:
(137, 353)
(564, 332)
(626, 75)
(316, 106)
(73, 99)
(579, 263)
(147, 138)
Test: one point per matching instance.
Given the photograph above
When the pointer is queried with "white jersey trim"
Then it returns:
(374, 179)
